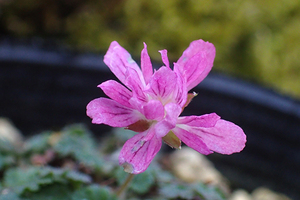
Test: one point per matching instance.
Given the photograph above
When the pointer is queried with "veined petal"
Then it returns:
(180, 94)
(112, 113)
(207, 120)
(196, 62)
(137, 154)
(134, 83)
(117, 92)
(146, 64)
(192, 140)
(164, 57)
(225, 137)
(162, 128)
(162, 84)
(119, 60)
(195, 70)
(154, 110)
(195, 47)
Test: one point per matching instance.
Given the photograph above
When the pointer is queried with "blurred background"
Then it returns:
(255, 40)
(51, 56)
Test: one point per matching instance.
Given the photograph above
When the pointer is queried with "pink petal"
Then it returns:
(146, 64)
(195, 70)
(196, 62)
(208, 120)
(137, 154)
(164, 57)
(154, 110)
(134, 83)
(117, 92)
(119, 60)
(169, 122)
(192, 140)
(180, 93)
(112, 113)
(225, 137)
(162, 84)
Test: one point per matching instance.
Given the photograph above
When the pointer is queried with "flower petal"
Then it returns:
(207, 120)
(196, 62)
(146, 64)
(164, 57)
(137, 154)
(154, 110)
(162, 84)
(195, 70)
(225, 137)
(134, 83)
(112, 113)
(192, 140)
(119, 60)
(117, 92)
(180, 93)
(162, 128)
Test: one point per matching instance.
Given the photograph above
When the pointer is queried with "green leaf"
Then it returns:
(77, 177)
(8, 153)
(20, 180)
(76, 141)
(30, 179)
(208, 192)
(94, 192)
(174, 190)
(38, 143)
(120, 175)
(6, 160)
(141, 183)
(51, 192)
(6, 146)
(64, 176)
(9, 195)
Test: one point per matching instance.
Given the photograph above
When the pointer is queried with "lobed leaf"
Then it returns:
(208, 192)
(51, 192)
(38, 143)
(94, 192)
(31, 179)
(176, 190)
(76, 141)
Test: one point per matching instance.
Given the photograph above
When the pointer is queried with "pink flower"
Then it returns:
(152, 101)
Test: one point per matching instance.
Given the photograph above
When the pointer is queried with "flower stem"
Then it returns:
(124, 186)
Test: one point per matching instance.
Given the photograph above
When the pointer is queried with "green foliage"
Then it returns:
(94, 192)
(175, 190)
(20, 180)
(77, 142)
(76, 171)
(9, 195)
(140, 184)
(208, 192)
(7, 154)
(31, 179)
(38, 143)
(257, 40)
(51, 192)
